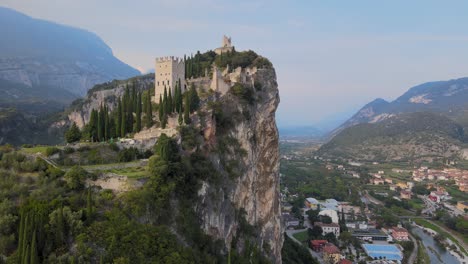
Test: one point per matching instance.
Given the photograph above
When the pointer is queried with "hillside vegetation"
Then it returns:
(411, 136)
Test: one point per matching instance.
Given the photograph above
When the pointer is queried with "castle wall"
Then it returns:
(168, 71)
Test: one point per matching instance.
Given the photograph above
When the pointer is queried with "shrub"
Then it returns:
(51, 151)
(114, 147)
(73, 134)
(243, 92)
(129, 154)
(69, 150)
(76, 177)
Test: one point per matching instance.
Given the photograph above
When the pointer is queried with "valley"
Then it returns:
(374, 198)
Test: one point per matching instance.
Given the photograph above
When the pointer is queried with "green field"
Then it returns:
(302, 236)
(132, 173)
(36, 149)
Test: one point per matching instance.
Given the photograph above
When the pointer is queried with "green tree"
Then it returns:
(194, 98)
(123, 121)
(118, 120)
(164, 121)
(187, 110)
(165, 102)
(149, 112)
(93, 121)
(180, 120)
(138, 113)
(170, 102)
(161, 108)
(75, 178)
(34, 258)
(89, 206)
(73, 134)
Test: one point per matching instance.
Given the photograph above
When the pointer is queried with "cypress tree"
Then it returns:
(25, 248)
(25, 259)
(161, 108)
(21, 233)
(194, 98)
(169, 102)
(138, 113)
(119, 118)
(106, 123)
(165, 103)
(181, 120)
(60, 227)
(143, 99)
(34, 258)
(112, 127)
(93, 121)
(174, 98)
(89, 206)
(187, 110)
(100, 123)
(123, 121)
(164, 121)
(149, 111)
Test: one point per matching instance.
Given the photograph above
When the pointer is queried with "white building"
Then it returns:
(329, 228)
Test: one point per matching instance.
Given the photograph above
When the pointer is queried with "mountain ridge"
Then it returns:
(37, 52)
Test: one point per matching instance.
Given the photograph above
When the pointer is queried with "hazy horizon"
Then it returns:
(331, 57)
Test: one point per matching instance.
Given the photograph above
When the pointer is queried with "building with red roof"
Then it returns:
(317, 245)
(331, 254)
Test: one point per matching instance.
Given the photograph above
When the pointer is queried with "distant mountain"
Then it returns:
(52, 61)
(449, 98)
(399, 137)
(429, 121)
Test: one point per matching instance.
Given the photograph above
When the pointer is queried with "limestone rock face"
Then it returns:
(256, 188)
(81, 113)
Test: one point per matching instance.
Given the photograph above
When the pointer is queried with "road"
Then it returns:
(372, 199)
(314, 254)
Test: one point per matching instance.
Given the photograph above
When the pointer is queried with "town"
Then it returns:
(384, 213)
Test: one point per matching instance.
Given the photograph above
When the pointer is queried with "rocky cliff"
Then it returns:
(235, 129)
(105, 94)
(246, 140)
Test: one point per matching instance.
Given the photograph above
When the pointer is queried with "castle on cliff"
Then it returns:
(170, 71)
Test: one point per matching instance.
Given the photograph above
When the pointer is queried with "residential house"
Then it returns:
(317, 245)
(400, 234)
(290, 221)
(329, 228)
(311, 203)
(405, 194)
(331, 254)
(462, 206)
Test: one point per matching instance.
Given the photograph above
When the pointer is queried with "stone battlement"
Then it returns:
(169, 58)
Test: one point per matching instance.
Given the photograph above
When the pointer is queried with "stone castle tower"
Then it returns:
(168, 71)
(226, 46)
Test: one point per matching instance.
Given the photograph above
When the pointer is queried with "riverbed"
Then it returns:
(436, 253)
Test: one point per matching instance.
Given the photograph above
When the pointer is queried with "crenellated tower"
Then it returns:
(169, 70)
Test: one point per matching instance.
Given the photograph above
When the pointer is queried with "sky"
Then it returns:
(331, 57)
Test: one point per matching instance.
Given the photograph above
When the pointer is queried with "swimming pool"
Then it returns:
(390, 252)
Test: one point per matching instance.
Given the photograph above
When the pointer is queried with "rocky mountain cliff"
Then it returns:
(105, 94)
(236, 131)
(44, 55)
(250, 167)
